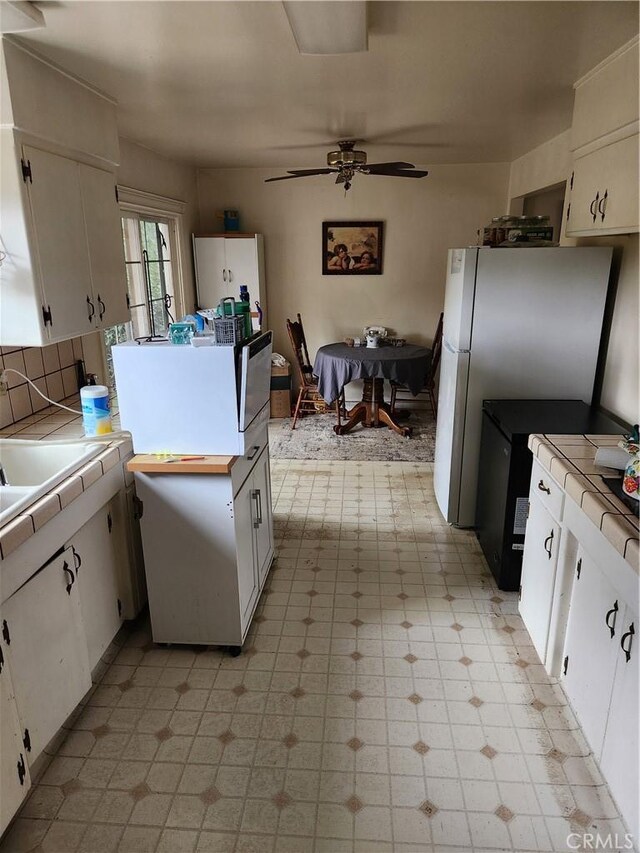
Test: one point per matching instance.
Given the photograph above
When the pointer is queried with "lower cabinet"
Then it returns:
(14, 768)
(591, 645)
(100, 552)
(208, 546)
(620, 761)
(539, 565)
(43, 638)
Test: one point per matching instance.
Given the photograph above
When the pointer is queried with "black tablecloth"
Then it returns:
(338, 364)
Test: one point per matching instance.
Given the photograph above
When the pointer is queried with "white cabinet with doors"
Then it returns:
(73, 279)
(224, 262)
(603, 188)
(15, 779)
(540, 558)
(207, 534)
(63, 273)
(100, 555)
(43, 638)
(591, 646)
(620, 761)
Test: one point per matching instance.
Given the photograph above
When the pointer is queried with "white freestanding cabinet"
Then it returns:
(208, 546)
(14, 769)
(43, 637)
(224, 262)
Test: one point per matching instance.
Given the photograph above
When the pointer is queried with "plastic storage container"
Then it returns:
(96, 410)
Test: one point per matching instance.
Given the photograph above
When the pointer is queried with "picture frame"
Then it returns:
(352, 248)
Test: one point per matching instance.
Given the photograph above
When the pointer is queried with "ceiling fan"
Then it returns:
(347, 161)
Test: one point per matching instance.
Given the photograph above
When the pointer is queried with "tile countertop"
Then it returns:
(570, 459)
(53, 424)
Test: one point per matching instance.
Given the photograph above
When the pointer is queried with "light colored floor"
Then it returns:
(388, 699)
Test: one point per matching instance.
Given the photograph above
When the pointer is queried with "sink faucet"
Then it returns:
(3, 477)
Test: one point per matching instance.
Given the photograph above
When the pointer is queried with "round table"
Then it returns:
(338, 364)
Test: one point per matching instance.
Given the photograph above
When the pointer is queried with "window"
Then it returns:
(150, 251)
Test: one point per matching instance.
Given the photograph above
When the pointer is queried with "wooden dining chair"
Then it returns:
(309, 399)
(429, 386)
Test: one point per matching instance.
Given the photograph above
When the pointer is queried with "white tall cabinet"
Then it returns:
(225, 261)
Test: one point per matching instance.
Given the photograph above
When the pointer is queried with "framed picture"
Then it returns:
(352, 248)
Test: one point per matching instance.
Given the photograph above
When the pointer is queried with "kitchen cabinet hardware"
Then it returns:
(593, 207)
(255, 496)
(26, 171)
(613, 612)
(21, 769)
(5, 632)
(627, 649)
(255, 450)
(549, 540)
(224, 275)
(46, 315)
(138, 508)
(1, 659)
(67, 571)
(26, 740)
(102, 308)
(565, 665)
(579, 568)
(77, 559)
(92, 309)
(109, 522)
(543, 487)
(602, 206)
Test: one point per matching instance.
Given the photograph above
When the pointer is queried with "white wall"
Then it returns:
(422, 219)
(145, 170)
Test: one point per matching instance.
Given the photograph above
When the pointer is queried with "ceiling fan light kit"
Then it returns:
(347, 161)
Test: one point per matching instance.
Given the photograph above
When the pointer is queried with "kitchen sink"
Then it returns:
(32, 468)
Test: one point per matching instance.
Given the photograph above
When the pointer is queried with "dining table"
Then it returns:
(338, 364)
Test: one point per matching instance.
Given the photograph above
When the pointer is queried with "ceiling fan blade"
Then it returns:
(374, 167)
(284, 178)
(401, 173)
(311, 171)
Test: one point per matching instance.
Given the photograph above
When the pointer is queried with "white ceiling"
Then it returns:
(222, 84)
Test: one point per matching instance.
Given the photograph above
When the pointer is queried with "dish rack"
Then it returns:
(228, 330)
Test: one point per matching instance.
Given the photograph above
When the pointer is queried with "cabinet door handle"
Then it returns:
(67, 570)
(255, 494)
(103, 307)
(613, 612)
(602, 206)
(549, 540)
(593, 207)
(254, 453)
(627, 649)
(229, 273)
(22, 772)
(224, 274)
(92, 309)
(77, 559)
(544, 488)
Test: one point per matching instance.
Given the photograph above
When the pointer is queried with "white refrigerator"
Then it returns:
(521, 323)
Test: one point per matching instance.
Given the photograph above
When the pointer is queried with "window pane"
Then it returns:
(136, 283)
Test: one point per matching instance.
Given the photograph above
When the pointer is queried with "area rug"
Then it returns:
(314, 438)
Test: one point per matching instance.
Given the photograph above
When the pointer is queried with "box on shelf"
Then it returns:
(280, 391)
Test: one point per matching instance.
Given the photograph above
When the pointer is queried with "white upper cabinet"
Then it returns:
(603, 195)
(64, 272)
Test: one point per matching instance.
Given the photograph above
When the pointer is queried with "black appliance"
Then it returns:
(505, 470)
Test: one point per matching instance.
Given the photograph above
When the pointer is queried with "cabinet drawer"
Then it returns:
(547, 490)
(257, 438)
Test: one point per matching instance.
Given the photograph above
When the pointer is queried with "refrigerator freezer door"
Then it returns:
(459, 294)
(454, 372)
